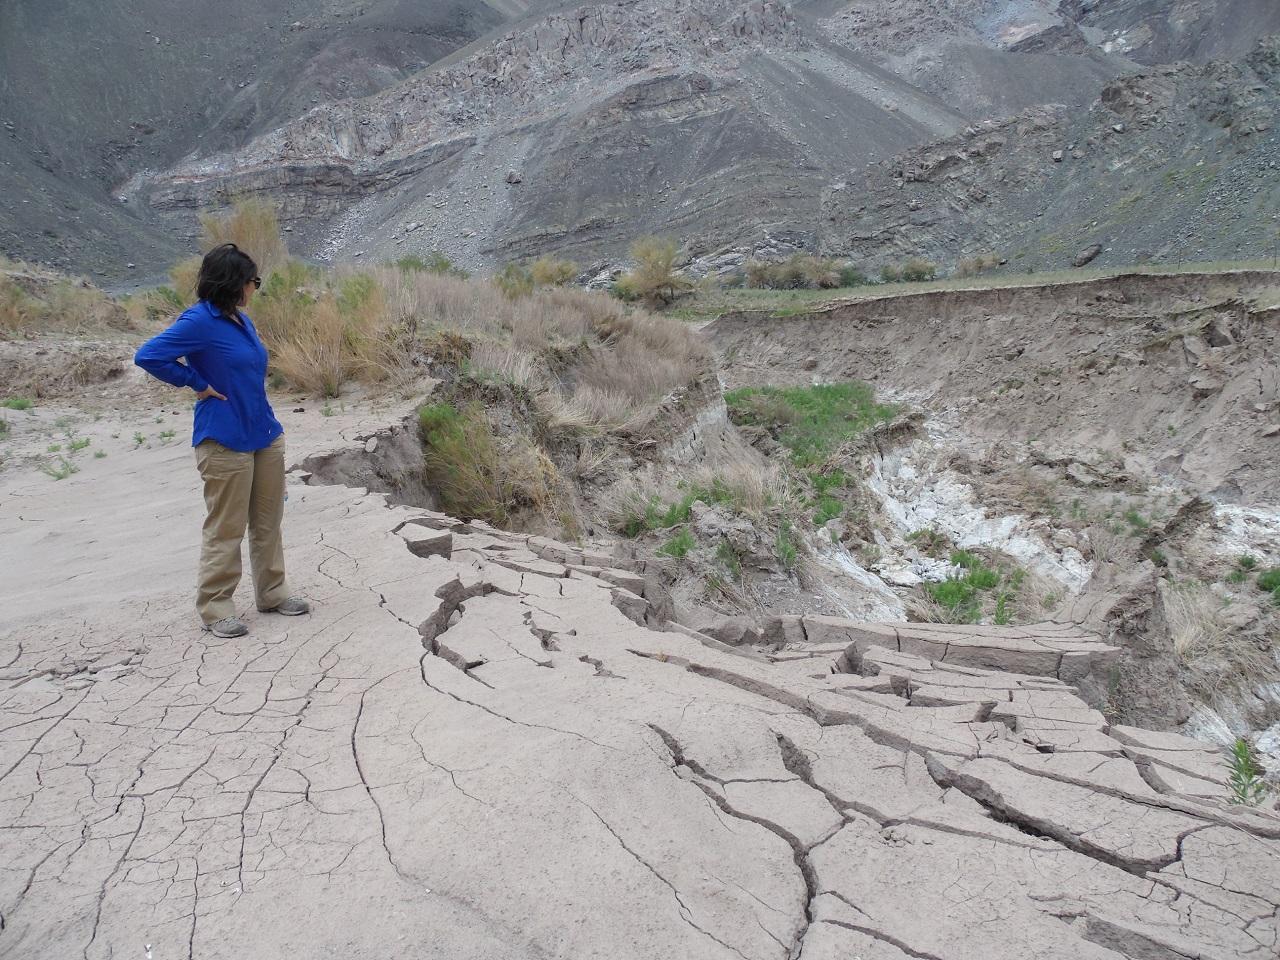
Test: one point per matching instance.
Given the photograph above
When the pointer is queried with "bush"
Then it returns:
(798, 272)
(976, 265)
(436, 263)
(183, 276)
(253, 226)
(1269, 580)
(851, 276)
(654, 278)
(890, 274)
(514, 280)
(916, 270)
(550, 272)
(829, 508)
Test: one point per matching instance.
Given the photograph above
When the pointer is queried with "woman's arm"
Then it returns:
(159, 355)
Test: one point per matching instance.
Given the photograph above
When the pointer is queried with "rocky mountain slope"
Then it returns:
(91, 95)
(501, 130)
(1174, 163)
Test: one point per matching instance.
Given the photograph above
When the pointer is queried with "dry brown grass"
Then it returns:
(36, 300)
(624, 361)
(253, 226)
(1216, 656)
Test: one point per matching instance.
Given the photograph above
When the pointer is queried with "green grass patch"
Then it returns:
(785, 546)
(658, 515)
(17, 403)
(811, 422)
(1269, 580)
(679, 545)
(963, 594)
(1137, 522)
(728, 556)
(829, 508)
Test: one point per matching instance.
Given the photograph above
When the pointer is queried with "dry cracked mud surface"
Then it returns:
(482, 745)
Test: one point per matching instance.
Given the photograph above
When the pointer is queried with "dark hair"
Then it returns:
(223, 274)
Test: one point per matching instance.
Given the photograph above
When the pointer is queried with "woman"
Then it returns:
(239, 443)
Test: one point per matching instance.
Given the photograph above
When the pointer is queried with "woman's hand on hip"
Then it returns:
(208, 392)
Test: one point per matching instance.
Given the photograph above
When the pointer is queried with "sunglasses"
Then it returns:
(257, 283)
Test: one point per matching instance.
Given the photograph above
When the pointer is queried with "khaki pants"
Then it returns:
(241, 489)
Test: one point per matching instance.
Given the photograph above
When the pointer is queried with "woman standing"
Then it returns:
(238, 441)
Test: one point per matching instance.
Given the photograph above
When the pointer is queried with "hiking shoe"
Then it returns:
(227, 627)
(293, 607)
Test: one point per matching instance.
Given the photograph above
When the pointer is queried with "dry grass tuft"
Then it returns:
(33, 299)
(1218, 658)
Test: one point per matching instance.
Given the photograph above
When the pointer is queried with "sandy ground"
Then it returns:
(475, 748)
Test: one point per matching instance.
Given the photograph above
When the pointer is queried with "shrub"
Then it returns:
(829, 508)
(727, 554)
(798, 272)
(890, 274)
(930, 541)
(851, 276)
(462, 461)
(550, 272)
(1269, 580)
(253, 226)
(654, 278)
(183, 276)
(436, 263)
(514, 280)
(916, 270)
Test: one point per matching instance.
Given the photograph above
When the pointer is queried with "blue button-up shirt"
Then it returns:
(223, 354)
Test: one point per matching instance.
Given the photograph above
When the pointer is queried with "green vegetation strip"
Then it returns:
(811, 422)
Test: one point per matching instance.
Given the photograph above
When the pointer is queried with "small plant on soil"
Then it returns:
(80, 443)
(60, 470)
(1246, 783)
(1269, 581)
(99, 454)
(167, 435)
(679, 545)
(17, 403)
(4, 427)
(139, 438)
(930, 541)
(727, 555)
(785, 546)
(1246, 562)
(53, 448)
(1137, 522)
(961, 595)
(829, 508)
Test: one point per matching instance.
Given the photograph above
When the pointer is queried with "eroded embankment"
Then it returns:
(1176, 373)
(1119, 436)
